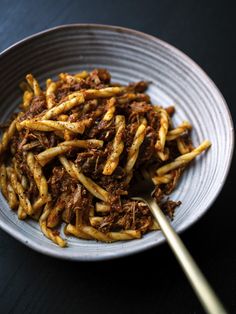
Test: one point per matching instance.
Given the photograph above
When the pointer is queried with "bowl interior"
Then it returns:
(129, 56)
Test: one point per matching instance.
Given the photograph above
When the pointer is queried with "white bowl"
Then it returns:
(129, 56)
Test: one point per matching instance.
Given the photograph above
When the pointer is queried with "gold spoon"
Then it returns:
(202, 288)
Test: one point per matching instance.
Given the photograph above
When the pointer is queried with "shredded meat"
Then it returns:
(72, 202)
(134, 215)
(147, 151)
(61, 181)
(37, 106)
(168, 208)
(98, 78)
(139, 87)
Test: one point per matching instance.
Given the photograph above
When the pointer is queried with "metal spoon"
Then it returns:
(203, 290)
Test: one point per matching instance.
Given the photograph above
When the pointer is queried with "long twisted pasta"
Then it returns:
(117, 147)
(50, 93)
(164, 124)
(47, 155)
(7, 135)
(33, 83)
(40, 181)
(49, 233)
(134, 149)
(19, 190)
(183, 159)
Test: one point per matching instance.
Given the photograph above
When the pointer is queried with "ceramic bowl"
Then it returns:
(130, 56)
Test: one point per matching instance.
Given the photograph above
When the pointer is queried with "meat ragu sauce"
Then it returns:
(75, 149)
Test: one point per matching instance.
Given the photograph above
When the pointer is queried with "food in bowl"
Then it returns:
(73, 152)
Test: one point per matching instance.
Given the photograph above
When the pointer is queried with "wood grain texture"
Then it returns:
(32, 283)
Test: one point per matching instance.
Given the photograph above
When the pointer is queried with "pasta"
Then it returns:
(33, 83)
(48, 232)
(40, 181)
(50, 93)
(72, 154)
(50, 125)
(117, 148)
(44, 157)
(134, 149)
(27, 98)
(7, 135)
(183, 159)
(19, 190)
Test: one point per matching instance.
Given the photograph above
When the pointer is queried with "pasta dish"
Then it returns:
(71, 154)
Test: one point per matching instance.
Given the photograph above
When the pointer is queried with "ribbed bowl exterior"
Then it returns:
(129, 56)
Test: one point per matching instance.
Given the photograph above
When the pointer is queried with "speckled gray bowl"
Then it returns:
(130, 56)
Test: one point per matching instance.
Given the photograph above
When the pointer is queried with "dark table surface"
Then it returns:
(149, 282)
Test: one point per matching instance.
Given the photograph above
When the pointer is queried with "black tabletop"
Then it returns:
(152, 281)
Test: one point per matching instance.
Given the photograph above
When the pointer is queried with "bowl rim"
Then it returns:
(50, 252)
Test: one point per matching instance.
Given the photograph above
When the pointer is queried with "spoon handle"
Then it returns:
(203, 290)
